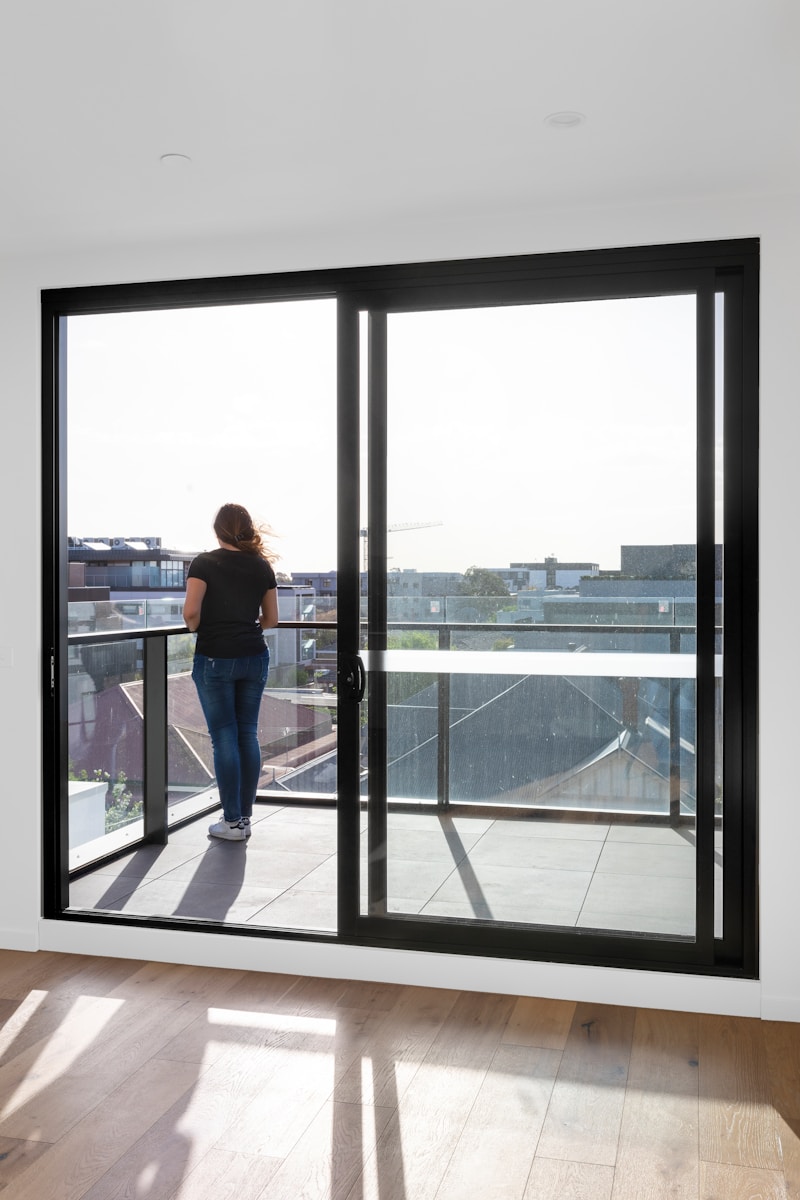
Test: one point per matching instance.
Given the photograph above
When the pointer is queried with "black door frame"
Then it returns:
(729, 266)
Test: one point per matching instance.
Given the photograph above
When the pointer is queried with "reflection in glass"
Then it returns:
(106, 744)
(297, 733)
(190, 759)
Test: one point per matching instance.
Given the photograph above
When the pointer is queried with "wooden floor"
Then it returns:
(149, 1081)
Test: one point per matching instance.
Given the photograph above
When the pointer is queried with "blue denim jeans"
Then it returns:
(230, 691)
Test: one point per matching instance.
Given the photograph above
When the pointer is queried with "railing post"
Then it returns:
(155, 740)
(443, 718)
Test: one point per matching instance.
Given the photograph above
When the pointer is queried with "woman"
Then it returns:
(231, 596)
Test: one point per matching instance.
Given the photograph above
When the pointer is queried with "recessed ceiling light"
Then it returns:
(565, 120)
(174, 160)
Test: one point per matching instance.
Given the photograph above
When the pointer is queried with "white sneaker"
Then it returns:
(247, 829)
(225, 829)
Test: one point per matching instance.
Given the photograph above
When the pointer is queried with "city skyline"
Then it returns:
(132, 566)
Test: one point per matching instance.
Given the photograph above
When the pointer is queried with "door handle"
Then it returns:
(354, 678)
(362, 678)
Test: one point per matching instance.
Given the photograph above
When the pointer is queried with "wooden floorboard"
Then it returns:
(585, 1113)
(536, 1022)
(569, 1181)
(93, 1148)
(494, 1154)
(124, 1080)
(658, 1147)
(737, 1120)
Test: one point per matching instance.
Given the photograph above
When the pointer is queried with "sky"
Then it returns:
(516, 432)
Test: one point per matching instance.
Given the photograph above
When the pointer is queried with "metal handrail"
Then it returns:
(127, 635)
(540, 627)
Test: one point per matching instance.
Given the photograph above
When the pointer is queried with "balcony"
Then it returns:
(536, 774)
(620, 876)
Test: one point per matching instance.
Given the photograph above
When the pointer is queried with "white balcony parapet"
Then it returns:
(87, 811)
(612, 665)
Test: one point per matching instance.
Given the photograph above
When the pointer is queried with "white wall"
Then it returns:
(777, 993)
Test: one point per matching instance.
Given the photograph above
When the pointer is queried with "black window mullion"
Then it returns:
(156, 771)
(348, 613)
(706, 619)
(747, 584)
(55, 816)
(377, 536)
(740, 639)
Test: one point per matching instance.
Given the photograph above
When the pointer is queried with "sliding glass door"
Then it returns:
(544, 504)
(511, 708)
(166, 415)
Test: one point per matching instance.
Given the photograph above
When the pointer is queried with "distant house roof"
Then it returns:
(109, 734)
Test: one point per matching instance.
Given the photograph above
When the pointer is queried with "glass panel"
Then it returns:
(190, 761)
(297, 732)
(541, 582)
(298, 723)
(106, 748)
(171, 414)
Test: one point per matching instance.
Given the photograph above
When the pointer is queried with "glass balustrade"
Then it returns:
(105, 768)
(565, 723)
(482, 711)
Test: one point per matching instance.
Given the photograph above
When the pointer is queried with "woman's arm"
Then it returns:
(195, 591)
(269, 609)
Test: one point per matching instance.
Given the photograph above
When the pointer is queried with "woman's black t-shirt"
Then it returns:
(235, 585)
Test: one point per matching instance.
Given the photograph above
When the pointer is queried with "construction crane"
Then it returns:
(403, 525)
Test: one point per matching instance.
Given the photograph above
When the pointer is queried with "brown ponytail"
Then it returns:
(234, 525)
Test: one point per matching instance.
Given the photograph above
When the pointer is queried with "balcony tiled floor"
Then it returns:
(547, 872)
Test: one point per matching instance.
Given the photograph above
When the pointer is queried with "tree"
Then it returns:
(412, 639)
(295, 677)
(121, 807)
(480, 581)
(401, 685)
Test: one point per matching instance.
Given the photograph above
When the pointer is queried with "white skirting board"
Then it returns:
(597, 985)
(20, 939)
(780, 1008)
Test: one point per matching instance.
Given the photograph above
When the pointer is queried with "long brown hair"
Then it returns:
(234, 525)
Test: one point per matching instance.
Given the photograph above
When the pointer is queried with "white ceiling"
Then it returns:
(326, 114)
